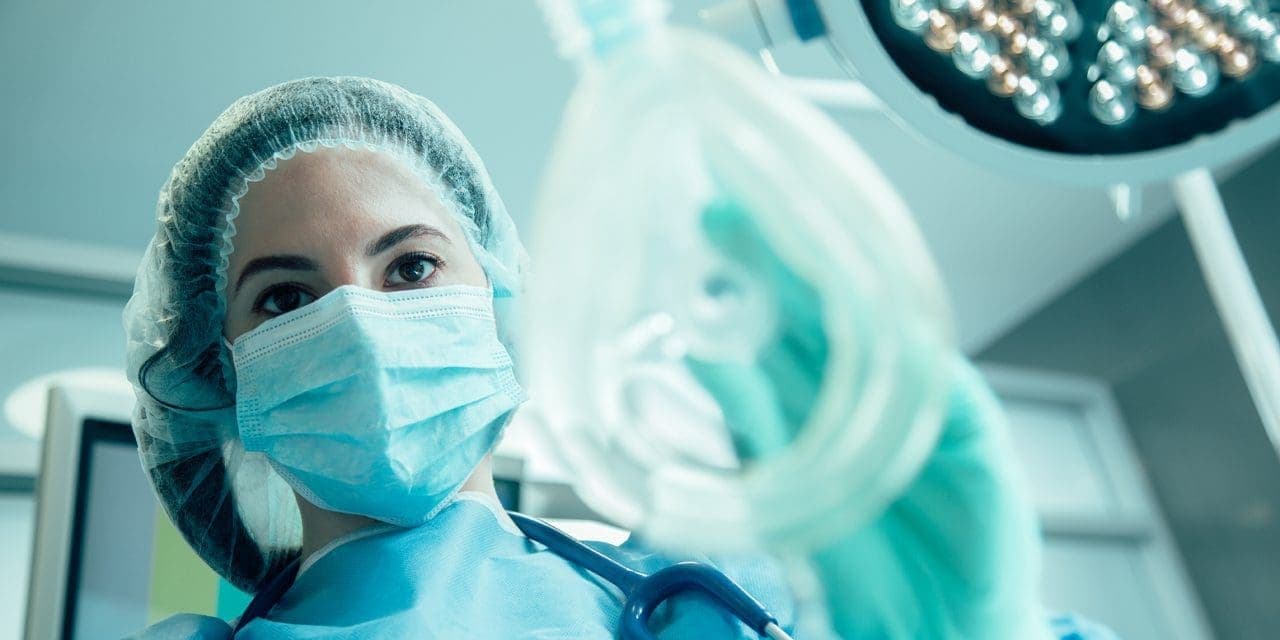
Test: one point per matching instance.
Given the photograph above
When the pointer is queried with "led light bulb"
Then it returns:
(1037, 100)
(973, 52)
(1118, 62)
(1057, 26)
(1007, 25)
(1004, 78)
(1157, 35)
(1236, 58)
(1154, 92)
(912, 15)
(1194, 72)
(1160, 48)
(1016, 44)
(1174, 11)
(1056, 20)
(1268, 38)
(1047, 13)
(1270, 48)
(1261, 29)
(976, 7)
(1207, 35)
(1022, 7)
(1245, 23)
(1047, 58)
(1111, 104)
(1075, 24)
(942, 33)
(955, 6)
(1224, 7)
(1128, 20)
(986, 19)
(1195, 19)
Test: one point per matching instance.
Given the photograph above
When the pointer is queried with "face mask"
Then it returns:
(377, 404)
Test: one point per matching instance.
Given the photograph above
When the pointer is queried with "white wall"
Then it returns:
(46, 332)
(101, 98)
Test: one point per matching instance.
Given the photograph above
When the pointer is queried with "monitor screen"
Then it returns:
(128, 566)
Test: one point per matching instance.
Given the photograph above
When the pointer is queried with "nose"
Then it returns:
(352, 272)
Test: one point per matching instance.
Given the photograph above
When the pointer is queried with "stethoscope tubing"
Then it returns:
(644, 593)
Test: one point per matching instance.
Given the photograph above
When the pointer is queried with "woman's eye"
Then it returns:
(281, 300)
(410, 270)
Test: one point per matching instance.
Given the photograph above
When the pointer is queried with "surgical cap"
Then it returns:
(237, 514)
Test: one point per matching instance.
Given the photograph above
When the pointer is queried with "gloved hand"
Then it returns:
(957, 554)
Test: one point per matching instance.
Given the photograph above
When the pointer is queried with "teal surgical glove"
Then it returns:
(765, 403)
(957, 554)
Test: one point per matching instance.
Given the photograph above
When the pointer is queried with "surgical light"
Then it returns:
(1106, 93)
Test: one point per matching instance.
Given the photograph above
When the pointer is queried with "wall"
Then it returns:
(102, 98)
(43, 332)
(1145, 324)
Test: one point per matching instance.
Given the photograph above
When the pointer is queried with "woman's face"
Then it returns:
(339, 217)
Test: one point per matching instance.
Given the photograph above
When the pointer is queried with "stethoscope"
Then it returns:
(642, 593)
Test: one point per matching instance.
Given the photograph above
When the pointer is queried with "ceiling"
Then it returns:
(103, 98)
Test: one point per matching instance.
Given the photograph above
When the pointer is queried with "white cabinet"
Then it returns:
(1108, 554)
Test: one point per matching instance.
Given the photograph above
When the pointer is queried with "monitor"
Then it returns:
(106, 560)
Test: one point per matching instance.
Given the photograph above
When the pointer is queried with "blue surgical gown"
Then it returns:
(466, 575)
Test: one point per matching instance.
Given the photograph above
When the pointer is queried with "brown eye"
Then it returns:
(283, 299)
(411, 269)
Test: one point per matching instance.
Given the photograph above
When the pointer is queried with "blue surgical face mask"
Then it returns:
(377, 404)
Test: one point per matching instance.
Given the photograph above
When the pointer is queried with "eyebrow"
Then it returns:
(396, 236)
(300, 263)
(270, 263)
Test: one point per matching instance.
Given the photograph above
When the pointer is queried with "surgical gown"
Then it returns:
(466, 574)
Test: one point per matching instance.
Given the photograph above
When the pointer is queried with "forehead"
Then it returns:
(334, 194)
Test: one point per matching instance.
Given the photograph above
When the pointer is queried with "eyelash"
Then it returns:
(436, 262)
(260, 303)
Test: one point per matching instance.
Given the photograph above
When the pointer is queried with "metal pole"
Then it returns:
(1251, 333)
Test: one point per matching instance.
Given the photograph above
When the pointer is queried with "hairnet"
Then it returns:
(237, 514)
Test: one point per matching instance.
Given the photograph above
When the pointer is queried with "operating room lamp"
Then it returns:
(1105, 93)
